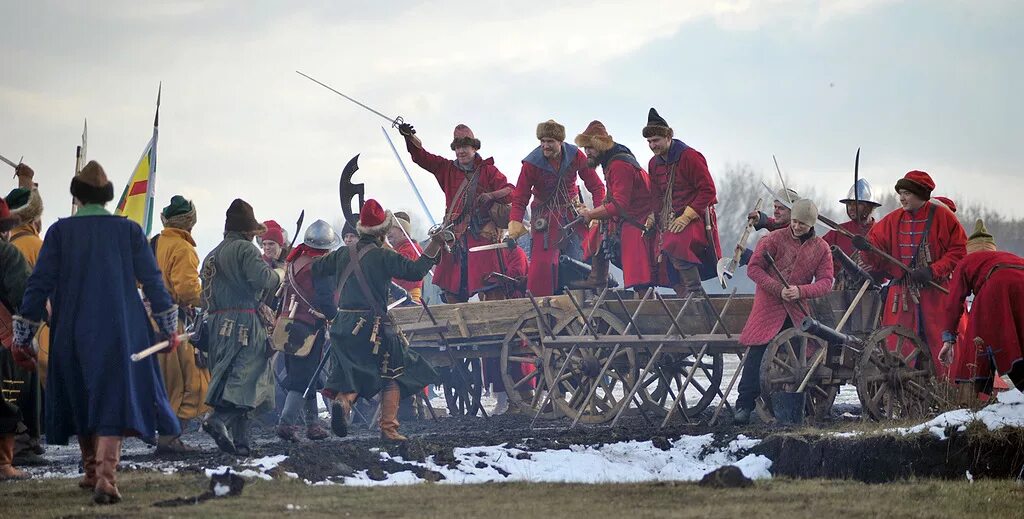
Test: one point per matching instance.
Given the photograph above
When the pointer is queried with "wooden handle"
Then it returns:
(155, 348)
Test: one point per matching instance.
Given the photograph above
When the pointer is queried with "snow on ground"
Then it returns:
(687, 459)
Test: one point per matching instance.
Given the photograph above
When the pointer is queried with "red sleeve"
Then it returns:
(433, 163)
(824, 275)
(590, 179)
(516, 263)
(496, 181)
(620, 187)
(696, 168)
(959, 289)
(830, 237)
(955, 240)
(522, 193)
(757, 269)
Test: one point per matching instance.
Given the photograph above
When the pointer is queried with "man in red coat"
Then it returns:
(994, 336)
(626, 215)
(806, 266)
(859, 203)
(927, 238)
(549, 177)
(401, 240)
(684, 197)
(471, 185)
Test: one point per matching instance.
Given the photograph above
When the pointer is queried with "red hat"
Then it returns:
(917, 182)
(946, 202)
(7, 221)
(275, 232)
(595, 136)
(463, 136)
(373, 219)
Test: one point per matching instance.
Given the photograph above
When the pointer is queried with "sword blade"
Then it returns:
(393, 121)
(784, 188)
(493, 246)
(398, 302)
(8, 162)
(409, 178)
(856, 179)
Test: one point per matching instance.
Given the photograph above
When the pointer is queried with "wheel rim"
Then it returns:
(523, 346)
(894, 376)
(660, 387)
(462, 393)
(786, 362)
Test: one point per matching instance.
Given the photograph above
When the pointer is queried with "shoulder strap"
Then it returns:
(924, 237)
(290, 278)
(21, 234)
(152, 243)
(460, 193)
(354, 267)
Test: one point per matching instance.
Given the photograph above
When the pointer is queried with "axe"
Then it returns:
(727, 266)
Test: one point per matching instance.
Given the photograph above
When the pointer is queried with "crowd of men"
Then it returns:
(78, 318)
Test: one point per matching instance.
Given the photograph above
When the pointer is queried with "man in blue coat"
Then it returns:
(89, 267)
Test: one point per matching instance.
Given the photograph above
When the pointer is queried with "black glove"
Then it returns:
(761, 222)
(861, 243)
(406, 129)
(922, 275)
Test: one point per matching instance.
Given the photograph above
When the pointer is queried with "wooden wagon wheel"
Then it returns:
(661, 384)
(521, 348)
(578, 379)
(894, 375)
(462, 392)
(785, 364)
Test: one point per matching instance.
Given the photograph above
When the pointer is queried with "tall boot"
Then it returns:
(7, 469)
(341, 408)
(108, 454)
(689, 280)
(389, 399)
(87, 444)
(598, 278)
(216, 425)
(240, 433)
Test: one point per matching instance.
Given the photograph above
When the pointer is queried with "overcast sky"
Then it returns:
(930, 85)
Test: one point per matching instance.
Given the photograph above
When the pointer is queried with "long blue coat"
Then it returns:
(88, 267)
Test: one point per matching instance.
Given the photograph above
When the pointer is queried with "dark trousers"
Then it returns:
(750, 381)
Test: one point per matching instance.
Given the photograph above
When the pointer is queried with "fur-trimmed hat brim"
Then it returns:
(89, 194)
(658, 131)
(183, 221)
(598, 142)
(921, 191)
(379, 229)
(32, 209)
(551, 130)
(465, 141)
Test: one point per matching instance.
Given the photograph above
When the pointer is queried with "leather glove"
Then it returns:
(649, 223)
(922, 275)
(298, 332)
(682, 220)
(25, 176)
(406, 129)
(861, 243)
(484, 198)
(760, 220)
(516, 229)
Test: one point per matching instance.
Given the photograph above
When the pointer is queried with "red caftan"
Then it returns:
(412, 251)
(628, 202)
(515, 265)
(538, 180)
(845, 244)
(692, 186)
(806, 265)
(470, 216)
(899, 233)
(997, 314)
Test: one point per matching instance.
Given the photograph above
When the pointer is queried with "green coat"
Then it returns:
(355, 367)
(234, 279)
(20, 399)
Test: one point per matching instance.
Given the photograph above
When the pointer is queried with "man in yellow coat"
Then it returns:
(26, 204)
(186, 381)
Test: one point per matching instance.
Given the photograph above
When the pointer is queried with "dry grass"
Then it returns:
(788, 499)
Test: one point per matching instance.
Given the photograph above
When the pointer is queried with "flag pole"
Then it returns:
(151, 185)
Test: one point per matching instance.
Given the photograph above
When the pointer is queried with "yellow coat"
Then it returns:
(26, 239)
(186, 383)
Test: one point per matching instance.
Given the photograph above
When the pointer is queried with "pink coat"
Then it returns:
(807, 266)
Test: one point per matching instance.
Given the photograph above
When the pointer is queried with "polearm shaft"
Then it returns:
(394, 121)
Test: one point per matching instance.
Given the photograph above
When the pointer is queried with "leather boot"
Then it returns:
(87, 444)
(240, 434)
(108, 454)
(216, 425)
(598, 278)
(341, 408)
(7, 470)
(389, 399)
(689, 281)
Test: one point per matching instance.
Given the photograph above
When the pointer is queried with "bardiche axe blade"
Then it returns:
(726, 270)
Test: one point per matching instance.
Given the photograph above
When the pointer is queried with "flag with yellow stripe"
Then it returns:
(136, 201)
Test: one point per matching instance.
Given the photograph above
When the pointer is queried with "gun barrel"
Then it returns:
(814, 327)
(851, 266)
(574, 263)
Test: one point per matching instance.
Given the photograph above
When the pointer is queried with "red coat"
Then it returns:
(299, 283)
(806, 265)
(516, 266)
(692, 186)
(450, 177)
(412, 251)
(997, 314)
(845, 244)
(537, 180)
(628, 202)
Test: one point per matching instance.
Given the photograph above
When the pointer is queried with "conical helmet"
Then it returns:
(861, 191)
(320, 235)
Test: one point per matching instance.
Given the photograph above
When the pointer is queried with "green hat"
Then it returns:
(25, 203)
(178, 205)
(17, 197)
(980, 239)
(179, 214)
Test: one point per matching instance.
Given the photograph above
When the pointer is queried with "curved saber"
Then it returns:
(409, 178)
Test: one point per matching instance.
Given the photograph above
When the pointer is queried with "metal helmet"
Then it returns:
(863, 193)
(320, 235)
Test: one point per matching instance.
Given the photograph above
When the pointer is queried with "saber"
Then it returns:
(507, 243)
(409, 178)
(155, 348)
(856, 179)
(8, 162)
(784, 188)
(394, 121)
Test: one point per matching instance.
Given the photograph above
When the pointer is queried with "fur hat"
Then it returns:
(917, 182)
(90, 186)
(373, 219)
(463, 136)
(550, 130)
(240, 218)
(657, 126)
(595, 136)
(980, 240)
(179, 214)
(8, 221)
(946, 201)
(805, 212)
(25, 203)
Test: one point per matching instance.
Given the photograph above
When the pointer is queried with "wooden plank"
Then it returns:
(716, 342)
(460, 321)
(427, 327)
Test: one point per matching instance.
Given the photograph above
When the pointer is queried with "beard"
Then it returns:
(593, 162)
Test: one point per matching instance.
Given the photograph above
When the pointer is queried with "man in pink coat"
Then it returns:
(805, 263)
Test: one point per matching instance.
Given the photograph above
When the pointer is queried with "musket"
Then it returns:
(409, 178)
(395, 121)
(871, 246)
(785, 283)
